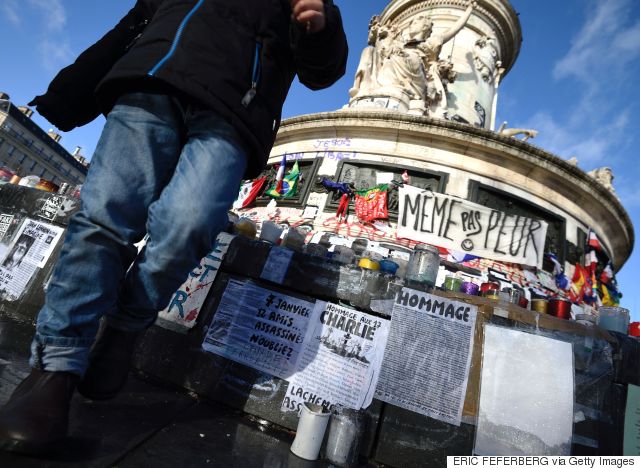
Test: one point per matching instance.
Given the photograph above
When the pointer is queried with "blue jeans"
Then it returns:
(160, 168)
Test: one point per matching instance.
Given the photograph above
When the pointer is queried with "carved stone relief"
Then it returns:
(404, 64)
(604, 176)
(486, 58)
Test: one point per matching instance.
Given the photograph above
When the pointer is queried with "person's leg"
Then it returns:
(135, 157)
(185, 221)
(182, 226)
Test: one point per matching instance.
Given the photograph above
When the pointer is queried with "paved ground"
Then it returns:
(147, 425)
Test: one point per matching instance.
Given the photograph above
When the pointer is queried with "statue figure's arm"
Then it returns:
(455, 29)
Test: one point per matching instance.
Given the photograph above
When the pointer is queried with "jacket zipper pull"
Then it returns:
(255, 76)
(248, 97)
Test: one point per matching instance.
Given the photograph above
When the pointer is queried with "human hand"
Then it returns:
(309, 13)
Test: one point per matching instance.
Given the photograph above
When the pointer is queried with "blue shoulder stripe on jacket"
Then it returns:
(176, 39)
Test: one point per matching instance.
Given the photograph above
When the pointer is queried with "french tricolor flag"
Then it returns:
(280, 175)
(593, 241)
(607, 274)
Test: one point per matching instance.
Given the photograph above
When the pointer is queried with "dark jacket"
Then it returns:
(238, 57)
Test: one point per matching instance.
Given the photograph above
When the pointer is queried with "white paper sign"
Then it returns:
(32, 246)
(428, 355)
(461, 225)
(526, 395)
(384, 177)
(51, 207)
(185, 305)
(341, 361)
(263, 329)
(5, 224)
(277, 264)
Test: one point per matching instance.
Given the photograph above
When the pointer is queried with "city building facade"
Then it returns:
(27, 149)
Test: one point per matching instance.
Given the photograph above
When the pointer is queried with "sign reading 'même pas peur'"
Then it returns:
(460, 225)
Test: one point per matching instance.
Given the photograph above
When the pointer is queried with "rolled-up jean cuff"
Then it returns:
(53, 357)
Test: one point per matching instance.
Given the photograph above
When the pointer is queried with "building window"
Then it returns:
(10, 149)
(22, 159)
(42, 173)
(512, 205)
(33, 166)
(362, 175)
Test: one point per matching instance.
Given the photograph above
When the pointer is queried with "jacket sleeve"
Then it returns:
(69, 101)
(321, 58)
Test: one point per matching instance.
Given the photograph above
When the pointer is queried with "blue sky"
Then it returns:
(576, 79)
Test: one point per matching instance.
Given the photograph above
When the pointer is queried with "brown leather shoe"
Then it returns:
(109, 363)
(36, 417)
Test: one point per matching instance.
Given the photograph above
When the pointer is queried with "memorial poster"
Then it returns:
(33, 244)
(464, 226)
(260, 328)
(428, 355)
(341, 361)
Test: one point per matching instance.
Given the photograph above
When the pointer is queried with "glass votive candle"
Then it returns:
(452, 283)
(539, 305)
(490, 288)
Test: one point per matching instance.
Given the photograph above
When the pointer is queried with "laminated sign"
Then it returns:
(460, 225)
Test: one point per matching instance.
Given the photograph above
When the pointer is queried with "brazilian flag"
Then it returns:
(289, 184)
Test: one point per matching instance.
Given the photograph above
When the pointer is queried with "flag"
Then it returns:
(591, 262)
(288, 186)
(460, 257)
(557, 267)
(594, 289)
(607, 274)
(342, 187)
(614, 294)
(578, 284)
(562, 281)
(280, 174)
(248, 193)
(607, 299)
(372, 203)
(343, 206)
(593, 240)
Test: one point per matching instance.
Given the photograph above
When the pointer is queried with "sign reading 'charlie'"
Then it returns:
(460, 225)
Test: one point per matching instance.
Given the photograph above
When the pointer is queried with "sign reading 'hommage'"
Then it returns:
(460, 225)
